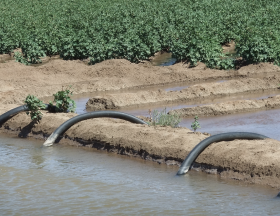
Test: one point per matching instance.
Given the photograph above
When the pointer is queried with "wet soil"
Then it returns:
(230, 107)
(252, 161)
(195, 92)
(82, 99)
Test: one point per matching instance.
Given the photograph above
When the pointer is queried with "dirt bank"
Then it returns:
(18, 80)
(230, 107)
(195, 92)
(250, 161)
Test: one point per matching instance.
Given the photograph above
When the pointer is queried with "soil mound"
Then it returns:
(252, 161)
(18, 80)
(191, 93)
(230, 107)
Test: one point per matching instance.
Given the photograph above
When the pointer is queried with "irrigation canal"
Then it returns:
(65, 180)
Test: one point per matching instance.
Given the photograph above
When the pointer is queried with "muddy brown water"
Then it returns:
(65, 180)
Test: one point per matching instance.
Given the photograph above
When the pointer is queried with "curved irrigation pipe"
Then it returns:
(185, 166)
(99, 114)
(7, 115)
(195, 152)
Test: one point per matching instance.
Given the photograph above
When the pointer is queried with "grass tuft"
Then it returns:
(164, 119)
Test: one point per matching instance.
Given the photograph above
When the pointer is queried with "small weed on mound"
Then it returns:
(34, 105)
(63, 102)
(195, 125)
(164, 119)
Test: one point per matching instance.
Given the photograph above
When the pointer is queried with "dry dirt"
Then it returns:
(229, 48)
(251, 161)
(18, 80)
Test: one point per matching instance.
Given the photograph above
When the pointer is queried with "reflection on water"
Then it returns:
(62, 180)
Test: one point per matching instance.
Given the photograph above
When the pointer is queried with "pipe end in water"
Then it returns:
(183, 170)
(50, 141)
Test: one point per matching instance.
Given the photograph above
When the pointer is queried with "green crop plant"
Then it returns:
(19, 58)
(135, 30)
(163, 119)
(34, 105)
(32, 51)
(63, 102)
(195, 125)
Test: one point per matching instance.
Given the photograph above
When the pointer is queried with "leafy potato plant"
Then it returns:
(34, 105)
(135, 30)
(63, 102)
(195, 125)
(19, 58)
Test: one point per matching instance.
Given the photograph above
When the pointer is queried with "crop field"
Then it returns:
(193, 30)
